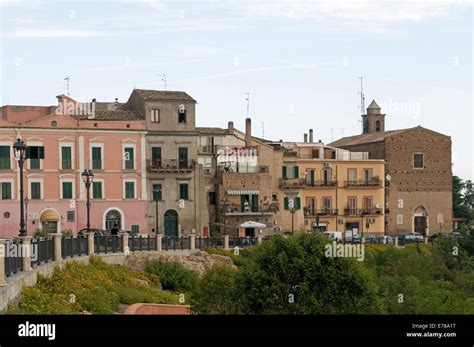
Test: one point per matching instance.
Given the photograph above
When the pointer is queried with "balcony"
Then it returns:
(322, 212)
(297, 183)
(170, 165)
(372, 183)
(362, 211)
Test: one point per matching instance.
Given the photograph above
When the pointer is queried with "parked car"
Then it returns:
(353, 238)
(370, 238)
(386, 239)
(132, 233)
(333, 235)
(418, 236)
(99, 232)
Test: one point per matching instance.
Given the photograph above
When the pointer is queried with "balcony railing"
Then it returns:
(170, 165)
(303, 183)
(374, 182)
(322, 212)
(362, 211)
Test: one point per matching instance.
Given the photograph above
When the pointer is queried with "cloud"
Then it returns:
(355, 10)
(53, 33)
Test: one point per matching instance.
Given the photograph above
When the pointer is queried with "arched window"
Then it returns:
(111, 218)
(377, 125)
(54, 124)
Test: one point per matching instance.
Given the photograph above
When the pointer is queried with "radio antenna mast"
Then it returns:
(248, 103)
(67, 85)
(362, 97)
(163, 78)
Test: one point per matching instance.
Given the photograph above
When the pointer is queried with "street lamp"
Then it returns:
(88, 178)
(20, 150)
(157, 191)
(26, 214)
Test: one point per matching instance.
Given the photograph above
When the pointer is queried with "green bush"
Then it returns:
(215, 292)
(173, 276)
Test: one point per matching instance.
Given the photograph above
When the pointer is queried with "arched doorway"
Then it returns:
(49, 222)
(420, 221)
(111, 218)
(171, 223)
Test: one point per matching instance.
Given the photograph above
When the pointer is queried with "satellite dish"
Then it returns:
(388, 178)
(378, 205)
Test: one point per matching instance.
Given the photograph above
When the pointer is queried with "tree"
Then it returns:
(463, 198)
(293, 276)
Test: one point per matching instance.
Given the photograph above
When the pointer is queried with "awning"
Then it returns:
(252, 224)
(243, 192)
(49, 216)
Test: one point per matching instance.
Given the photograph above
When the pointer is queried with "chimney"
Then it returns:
(230, 128)
(311, 135)
(248, 132)
(305, 137)
(116, 104)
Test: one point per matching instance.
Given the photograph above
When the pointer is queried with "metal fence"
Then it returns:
(142, 243)
(175, 243)
(108, 244)
(42, 250)
(208, 242)
(74, 246)
(13, 257)
(242, 241)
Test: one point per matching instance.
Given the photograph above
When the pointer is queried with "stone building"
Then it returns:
(418, 173)
(177, 203)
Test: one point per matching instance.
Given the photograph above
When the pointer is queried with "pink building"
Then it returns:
(99, 136)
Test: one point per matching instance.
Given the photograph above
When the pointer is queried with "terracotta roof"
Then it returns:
(115, 115)
(212, 130)
(365, 138)
(151, 95)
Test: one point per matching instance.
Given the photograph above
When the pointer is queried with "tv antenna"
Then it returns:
(67, 85)
(163, 78)
(263, 129)
(248, 103)
(362, 98)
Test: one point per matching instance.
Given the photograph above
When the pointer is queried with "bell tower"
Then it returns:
(373, 121)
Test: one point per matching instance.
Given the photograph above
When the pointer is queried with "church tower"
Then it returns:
(373, 121)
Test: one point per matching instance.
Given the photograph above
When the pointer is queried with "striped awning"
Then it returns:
(49, 216)
(243, 192)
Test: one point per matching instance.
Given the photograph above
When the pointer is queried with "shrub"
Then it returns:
(173, 276)
(215, 292)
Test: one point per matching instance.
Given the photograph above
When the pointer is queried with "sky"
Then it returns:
(300, 61)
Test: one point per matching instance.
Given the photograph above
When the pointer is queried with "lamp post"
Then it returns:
(26, 214)
(157, 191)
(225, 202)
(20, 151)
(88, 178)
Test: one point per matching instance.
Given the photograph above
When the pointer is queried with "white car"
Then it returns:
(333, 235)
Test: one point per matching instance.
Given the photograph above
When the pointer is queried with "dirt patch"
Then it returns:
(197, 261)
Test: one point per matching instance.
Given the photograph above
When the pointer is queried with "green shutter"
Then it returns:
(6, 191)
(97, 158)
(296, 172)
(41, 152)
(66, 158)
(97, 190)
(4, 157)
(297, 203)
(242, 203)
(129, 190)
(285, 200)
(254, 203)
(183, 191)
(36, 190)
(129, 158)
(67, 190)
(283, 172)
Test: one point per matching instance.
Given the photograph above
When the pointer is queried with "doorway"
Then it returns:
(112, 218)
(420, 225)
(171, 223)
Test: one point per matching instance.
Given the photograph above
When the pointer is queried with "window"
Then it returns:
(135, 228)
(367, 204)
(5, 161)
(310, 177)
(315, 153)
(184, 191)
(377, 125)
(67, 190)
(157, 191)
(129, 158)
(54, 124)
(310, 206)
(66, 158)
(181, 114)
(368, 175)
(35, 188)
(129, 190)
(156, 156)
(35, 154)
(6, 190)
(290, 172)
(327, 176)
(352, 204)
(352, 176)
(418, 161)
(71, 216)
(97, 190)
(97, 158)
(155, 115)
(183, 157)
(212, 198)
(327, 204)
